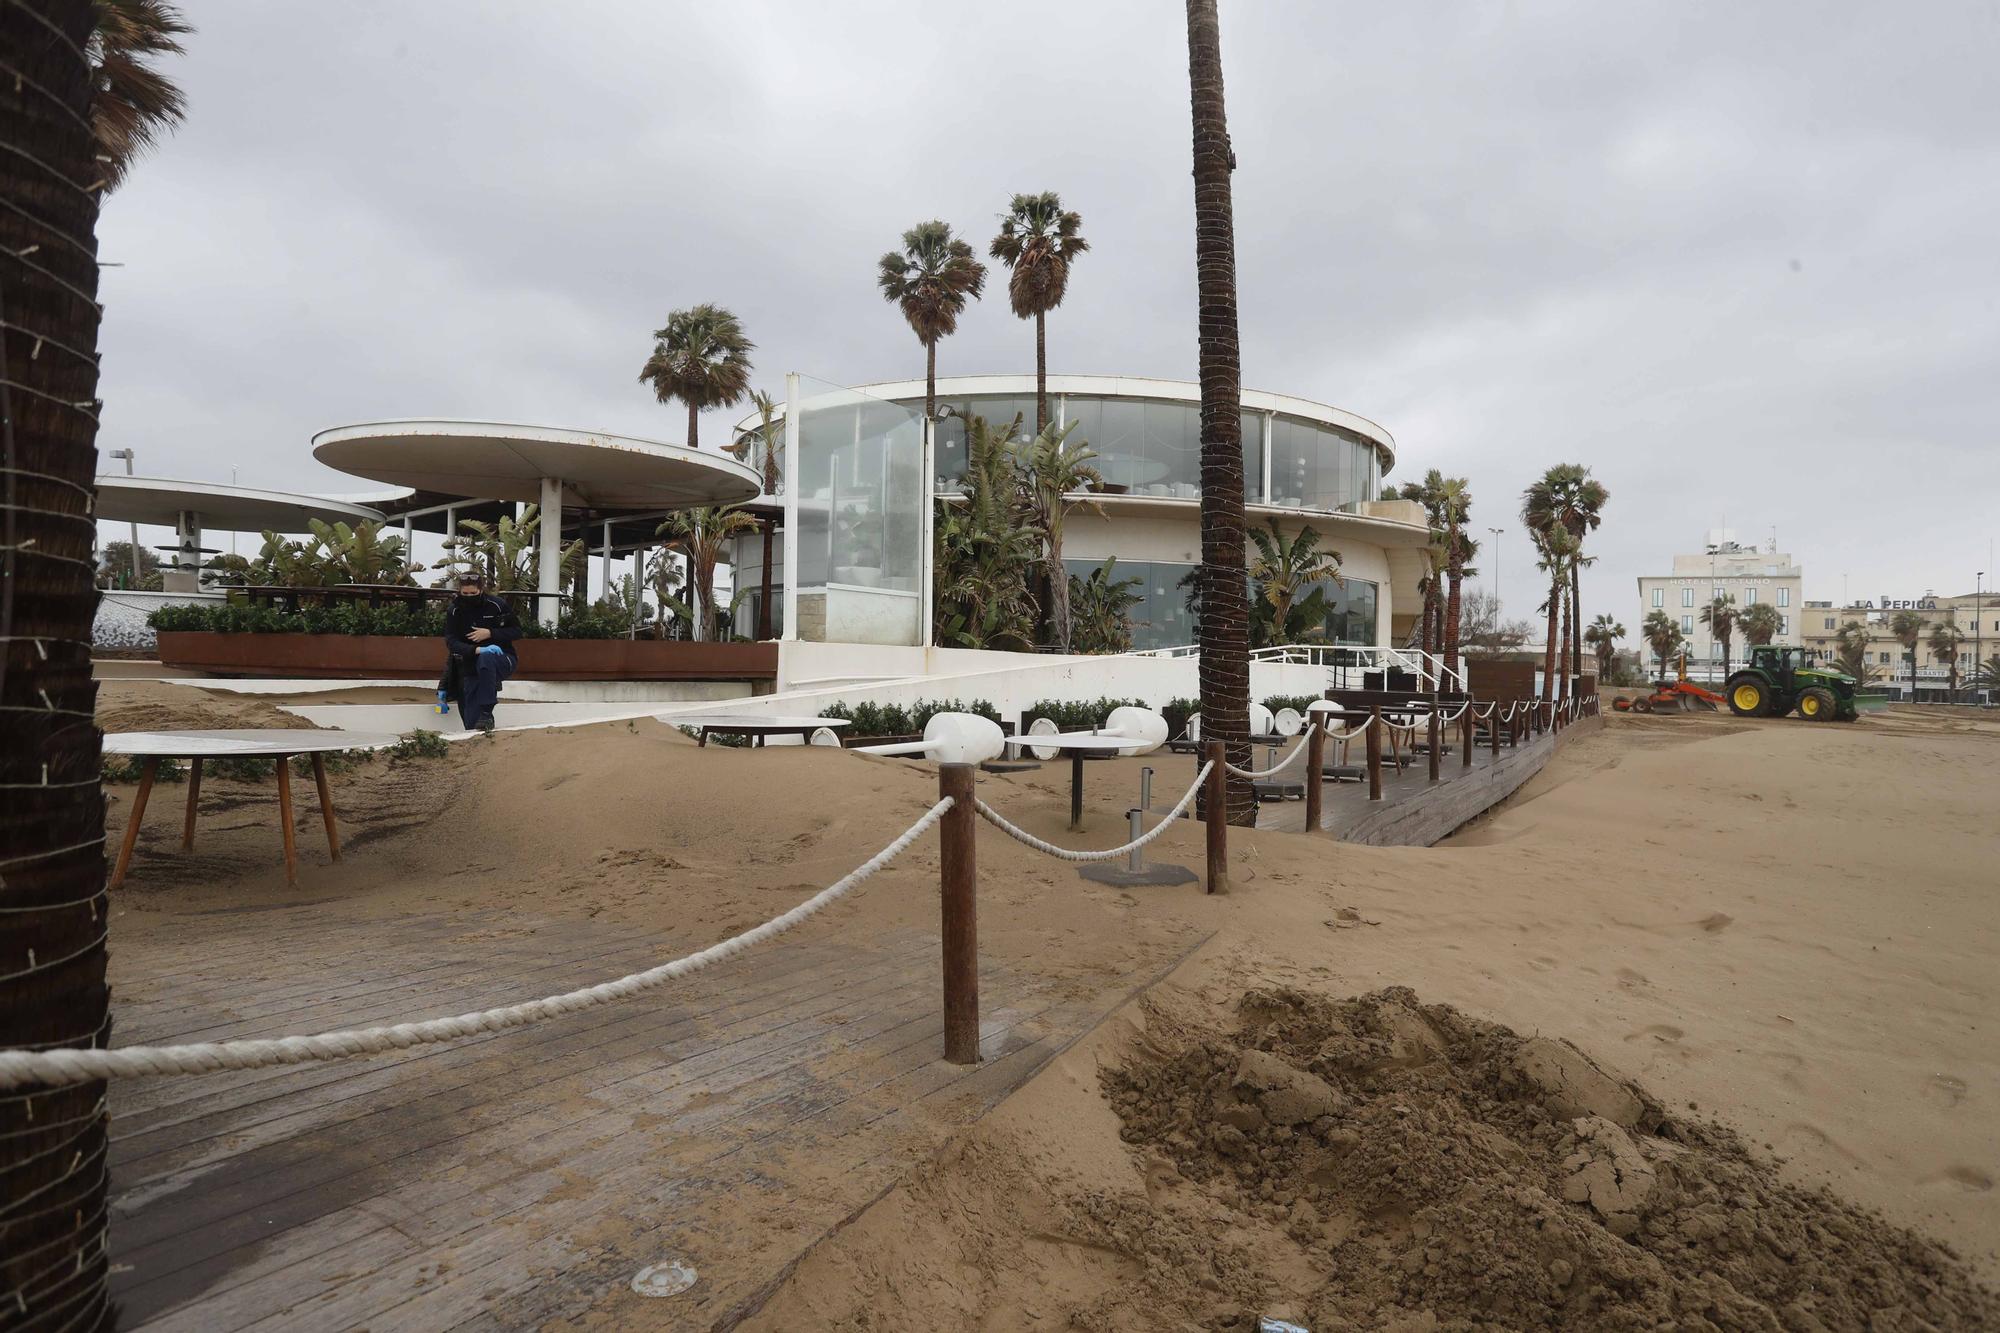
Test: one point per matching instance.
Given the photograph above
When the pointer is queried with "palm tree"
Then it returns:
(702, 357)
(1454, 503)
(1104, 603)
(1554, 547)
(1908, 627)
(1986, 675)
(1038, 240)
(1430, 494)
(1759, 622)
(1720, 617)
(53, 911)
(1854, 637)
(1603, 636)
(1225, 620)
(703, 535)
(931, 278)
(985, 550)
(1566, 496)
(764, 442)
(1946, 639)
(1051, 468)
(1662, 635)
(134, 103)
(1284, 572)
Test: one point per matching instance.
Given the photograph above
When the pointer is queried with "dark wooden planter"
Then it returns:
(395, 657)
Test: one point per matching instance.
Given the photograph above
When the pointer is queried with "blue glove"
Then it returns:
(490, 648)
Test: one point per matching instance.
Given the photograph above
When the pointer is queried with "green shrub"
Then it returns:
(722, 738)
(1177, 712)
(419, 744)
(923, 710)
(239, 768)
(124, 769)
(1297, 701)
(1072, 716)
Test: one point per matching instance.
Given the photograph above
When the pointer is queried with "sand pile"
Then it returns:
(150, 705)
(1433, 1171)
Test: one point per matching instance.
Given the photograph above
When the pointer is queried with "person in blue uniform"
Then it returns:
(479, 635)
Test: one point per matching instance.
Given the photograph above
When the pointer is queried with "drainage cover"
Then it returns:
(670, 1277)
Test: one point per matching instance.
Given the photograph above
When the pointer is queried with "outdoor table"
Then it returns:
(271, 743)
(760, 727)
(1078, 746)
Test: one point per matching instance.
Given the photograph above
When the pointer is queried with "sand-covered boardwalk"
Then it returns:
(1787, 928)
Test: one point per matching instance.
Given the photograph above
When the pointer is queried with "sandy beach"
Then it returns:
(1781, 932)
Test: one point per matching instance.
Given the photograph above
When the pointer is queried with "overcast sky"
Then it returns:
(1740, 260)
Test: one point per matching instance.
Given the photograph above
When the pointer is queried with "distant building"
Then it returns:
(1724, 568)
(1977, 617)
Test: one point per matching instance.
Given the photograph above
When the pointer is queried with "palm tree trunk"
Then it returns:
(930, 386)
(1041, 372)
(694, 426)
(55, 918)
(1225, 608)
(1569, 639)
(1549, 646)
(1453, 606)
(1576, 616)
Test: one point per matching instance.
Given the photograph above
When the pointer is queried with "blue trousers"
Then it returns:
(479, 686)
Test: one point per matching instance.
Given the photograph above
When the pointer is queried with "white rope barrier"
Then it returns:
(18, 1068)
(1021, 835)
(1446, 718)
(1482, 712)
(1279, 767)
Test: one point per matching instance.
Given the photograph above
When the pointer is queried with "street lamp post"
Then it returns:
(1978, 580)
(126, 454)
(1496, 572)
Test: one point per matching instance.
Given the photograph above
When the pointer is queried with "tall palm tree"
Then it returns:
(763, 443)
(1284, 571)
(702, 357)
(135, 104)
(1720, 617)
(1225, 611)
(1853, 639)
(703, 535)
(1908, 627)
(1986, 675)
(931, 278)
(1052, 469)
(1038, 240)
(1566, 495)
(1945, 642)
(1430, 494)
(53, 912)
(1662, 635)
(1455, 502)
(1554, 547)
(1759, 622)
(1603, 636)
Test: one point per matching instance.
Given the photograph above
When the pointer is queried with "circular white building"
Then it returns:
(1305, 464)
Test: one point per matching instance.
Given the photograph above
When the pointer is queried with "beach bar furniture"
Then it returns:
(277, 744)
(728, 724)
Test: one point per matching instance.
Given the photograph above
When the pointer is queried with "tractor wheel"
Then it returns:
(1748, 697)
(1642, 705)
(1817, 705)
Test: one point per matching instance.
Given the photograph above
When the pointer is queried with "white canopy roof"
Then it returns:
(156, 500)
(486, 460)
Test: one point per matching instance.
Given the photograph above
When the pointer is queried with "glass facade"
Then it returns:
(1150, 447)
(1161, 619)
(858, 467)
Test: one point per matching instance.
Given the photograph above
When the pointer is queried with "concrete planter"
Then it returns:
(393, 657)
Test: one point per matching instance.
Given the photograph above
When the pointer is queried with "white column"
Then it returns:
(792, 472)
(606, 551)
(924, 534)
(548, 574)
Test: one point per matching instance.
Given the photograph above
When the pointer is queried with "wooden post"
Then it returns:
(148, 768)
(1467, 725)
(1315, 774)
(285, 818)
(958, 888)
(1216, 800)
(1437, 741)
(194, 799)
(326, 805)
(1375, 753)
(1076, 791)
(1493, 730)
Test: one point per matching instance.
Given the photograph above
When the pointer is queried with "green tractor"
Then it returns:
(1777, 680)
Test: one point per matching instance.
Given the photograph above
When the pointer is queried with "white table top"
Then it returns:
(268, 743)
(747, 722)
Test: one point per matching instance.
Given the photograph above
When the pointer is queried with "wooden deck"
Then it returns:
(1413, 811)
(512, 1179)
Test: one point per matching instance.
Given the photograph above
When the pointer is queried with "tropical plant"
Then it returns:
(704, 534)
(1759, 622)
(1052, 469)
(1946, 642)
(1663, 636)
(1038, 241)
(1986, 675)
(763, 445)
(133, 103)
(931, 279)
(1554, 547)
(984, 550)
(1851, 650)
(702, 358)
(665, 575)
(1429, 493)
(1101, 606)
(1283, 574)
(1224, 628)
(1603, 636)
(1454, 504)
(57, 121)
(508, 552)
(1720, 617)
(1567, 496)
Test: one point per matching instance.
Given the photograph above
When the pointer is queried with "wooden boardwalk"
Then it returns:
(513, 1179)
(1413, 811)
